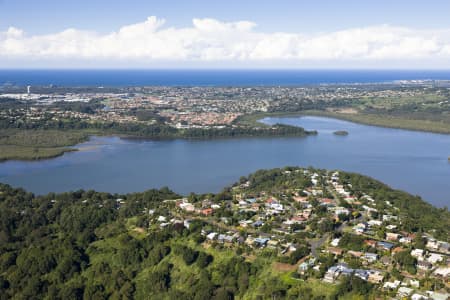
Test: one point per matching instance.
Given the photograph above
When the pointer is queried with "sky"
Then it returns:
(348, 34)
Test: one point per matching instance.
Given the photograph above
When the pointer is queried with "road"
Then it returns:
(318, 243)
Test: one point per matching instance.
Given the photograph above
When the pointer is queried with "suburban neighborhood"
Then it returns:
(326, 230)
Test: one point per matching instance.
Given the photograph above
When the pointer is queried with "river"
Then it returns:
(413, 161)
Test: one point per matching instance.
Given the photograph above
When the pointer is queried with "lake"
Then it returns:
(416, 162)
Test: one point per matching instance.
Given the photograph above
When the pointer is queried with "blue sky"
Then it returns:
(44, 16)
(411, 24)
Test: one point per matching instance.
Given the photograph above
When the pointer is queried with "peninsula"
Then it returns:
(275, 234)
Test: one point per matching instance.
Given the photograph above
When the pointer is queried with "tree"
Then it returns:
(274, 289)
(298, 254)
(353, 284)
(189, 255)
(326, 225)
(352, 242)
(419, 242)
(204, 259)
(94, 292)
(407, 261)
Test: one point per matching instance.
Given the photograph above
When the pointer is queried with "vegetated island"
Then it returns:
(52, 140)
(290, 233)
(341, 132)
(37, 144)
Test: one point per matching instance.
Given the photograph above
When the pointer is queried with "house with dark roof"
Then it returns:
(385, 245)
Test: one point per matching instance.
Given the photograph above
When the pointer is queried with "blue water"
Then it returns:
(209, 77)
(412, 161)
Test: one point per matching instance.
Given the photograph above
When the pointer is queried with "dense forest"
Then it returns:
(156, 131)
(78, 245)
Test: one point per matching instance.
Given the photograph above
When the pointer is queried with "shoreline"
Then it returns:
(54, 153)
(40, 158)
(358, 118)
(376, 120)
(253, 120)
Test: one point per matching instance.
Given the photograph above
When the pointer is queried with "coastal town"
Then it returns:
(309, 226)
(322, 228)
(204, 107)
(224, 150)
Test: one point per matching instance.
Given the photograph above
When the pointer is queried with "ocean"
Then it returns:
(112, 78)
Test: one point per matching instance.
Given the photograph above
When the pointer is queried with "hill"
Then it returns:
(271, 235)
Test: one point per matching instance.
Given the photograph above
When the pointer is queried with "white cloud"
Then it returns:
(213, 41)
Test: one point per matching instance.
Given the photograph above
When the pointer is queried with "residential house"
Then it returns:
(187, 223)
(391, 285)
(206, 203)
(261, 242)
(391, 236)
(303, 267)
(435, 258)
(443, 272)
(414, 283)
(385, 245)
(335, 251)
(375, 223)
(387, 218)
(370, 257)
(355, 253)
(375, 277)
(186, 206)
(404, 292)
(406, 240)
(444, 247)
(432, 244)
(211, 236)
(397, 250)
(272, 243)
(332, 274)
(258, 223)
(245, 223)
(417, 253)
(360, 228)
(424, 265)
(438, 296)
(371, 243)
(300, 199)
(250, 240)
(207, 211)
(223, 238)
(335, 242)
(363, 274)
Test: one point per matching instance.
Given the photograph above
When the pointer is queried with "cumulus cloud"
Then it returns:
(211, 40)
